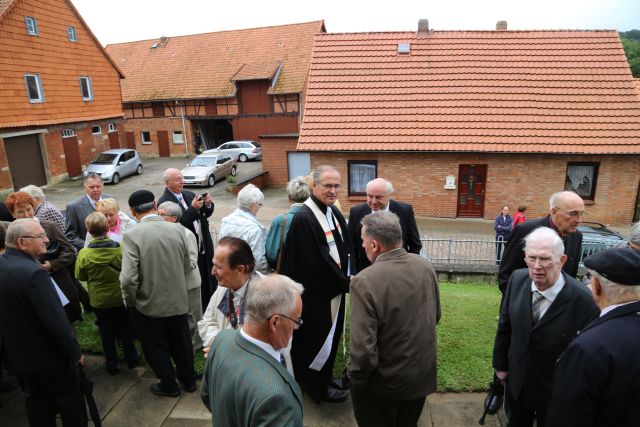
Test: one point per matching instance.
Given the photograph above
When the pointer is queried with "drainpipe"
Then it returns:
(184, 130)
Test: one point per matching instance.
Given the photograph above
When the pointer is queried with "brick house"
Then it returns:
(60, 98)
(221, 86)
(464, 122)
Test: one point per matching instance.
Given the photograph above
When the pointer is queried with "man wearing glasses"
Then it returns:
(566, 211)
(543, 309)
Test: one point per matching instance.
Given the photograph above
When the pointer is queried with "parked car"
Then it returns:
(241, 150)
(208, 168)
(597, 237)
(114, 164)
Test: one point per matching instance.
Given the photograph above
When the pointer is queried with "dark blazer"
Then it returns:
(597, 379)
(410, 235)
(529, 352)
(77, 211)
(35, 332)
(513, 256)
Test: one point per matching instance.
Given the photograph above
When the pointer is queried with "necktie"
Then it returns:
(283, 361)
(536, 305)
(232, 312)
(182, 202)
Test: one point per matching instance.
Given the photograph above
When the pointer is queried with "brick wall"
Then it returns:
(153, 125)
(419, 179)
(274, 158)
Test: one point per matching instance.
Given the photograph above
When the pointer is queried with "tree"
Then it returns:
(631, 44)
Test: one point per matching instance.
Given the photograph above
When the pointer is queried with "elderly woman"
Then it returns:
(60, 253)
(44, 210)
(298, 192)
(118, 221)
(243, 224)
(634, 237)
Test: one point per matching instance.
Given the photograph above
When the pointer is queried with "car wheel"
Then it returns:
(211, 181)
(139, 170)
(233, 171)
(243, 157)
(116, 178)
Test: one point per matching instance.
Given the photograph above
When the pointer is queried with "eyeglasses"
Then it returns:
(573, 214)
(298, 322)
(330, 186)
(543, 262)
(39, 236)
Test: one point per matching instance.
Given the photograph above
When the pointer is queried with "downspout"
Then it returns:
(184, 130)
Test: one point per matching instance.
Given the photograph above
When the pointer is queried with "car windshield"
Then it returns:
(204, 161)
(105, 159)
(257, 144)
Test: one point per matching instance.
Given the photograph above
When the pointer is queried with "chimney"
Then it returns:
(163, 40)
(501, 26)
(423, 26)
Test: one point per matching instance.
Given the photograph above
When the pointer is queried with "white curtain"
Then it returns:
(359, 175)
(580, 179)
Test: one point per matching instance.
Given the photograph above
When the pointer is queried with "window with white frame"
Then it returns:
(582, 178)
(360, 173)
(67, 133)
(112, 127)
(71, 32)
(177, 137)
(32, 25)
(145, 136)
(97, 129)
(34, 88)
(85, 89)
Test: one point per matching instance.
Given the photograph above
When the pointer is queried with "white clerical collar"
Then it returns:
(552, 292)
(613, 307)
(263, 345)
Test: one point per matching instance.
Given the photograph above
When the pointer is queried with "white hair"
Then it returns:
(172, 209)
(16, 229)
(269, 295)
(634, 235)
(34, 191)
(615, 291)
(249, 195)
(542, 234)
(388, 187)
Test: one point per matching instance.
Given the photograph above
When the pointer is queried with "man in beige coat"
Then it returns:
(155, 265)
(395, 306)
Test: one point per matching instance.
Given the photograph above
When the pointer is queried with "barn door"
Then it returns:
(471, 186)
(114, 140)
(130, 140)
(299, 164)
(25, 160)
(163, 143)
(72, 155)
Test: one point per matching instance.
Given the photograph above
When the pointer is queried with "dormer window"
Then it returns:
(32, 25)
(71, 32)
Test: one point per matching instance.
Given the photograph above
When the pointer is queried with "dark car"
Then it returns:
(597, 237)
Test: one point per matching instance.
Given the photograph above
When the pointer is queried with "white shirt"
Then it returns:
(263, 345)
(612, 307)
(549, 294)
(196, 223)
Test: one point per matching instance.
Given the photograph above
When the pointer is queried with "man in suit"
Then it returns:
(38, 344)
(566, 210)
(79, 209)
(392, 363)
(196, 211)
(597, 379)
(155, 267)
(379, 193)
(543, 309)
(245, 382)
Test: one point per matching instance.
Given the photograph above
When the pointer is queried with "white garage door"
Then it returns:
(299, 164)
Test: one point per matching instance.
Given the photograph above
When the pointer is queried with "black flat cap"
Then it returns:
(620, 265)
(141, 197)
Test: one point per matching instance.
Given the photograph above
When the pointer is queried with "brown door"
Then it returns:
(163, 143)
(114, 140)
(130, 140)
(72, 155)
(25, 160)
(471, 183)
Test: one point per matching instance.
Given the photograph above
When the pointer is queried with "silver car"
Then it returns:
(209, 168)
(114, 164)
(241, 150)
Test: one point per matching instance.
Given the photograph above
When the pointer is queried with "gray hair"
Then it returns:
(555, 198)
(320, 170)
(545, 234)
(615, 292)
(384, 227)
(269, 295)
(172, 209)
(34, 191)
(18, 228)
(298, 190)
(388, 187)
(145, 207)
(249, 195)
(634, 235)
(91, 175)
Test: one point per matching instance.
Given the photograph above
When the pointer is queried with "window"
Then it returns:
(582, 178)
(71, 32)
(177, 137)
(112, 127)
(34, 88)
(67, 133)
(96, 129)
(146, 137)
(32, 25)
(85, 89)
(360, 173)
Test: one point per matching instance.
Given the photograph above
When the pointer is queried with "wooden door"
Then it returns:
(130, 140)
(72, 155)
(471, 186)
(114, 140)
(163, 143)
(25, 160)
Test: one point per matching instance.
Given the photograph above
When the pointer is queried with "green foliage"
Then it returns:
(631, 43)
(231, 179)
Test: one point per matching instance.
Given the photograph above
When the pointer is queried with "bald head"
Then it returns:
(378, 193)
(567, 210)
(173, 179)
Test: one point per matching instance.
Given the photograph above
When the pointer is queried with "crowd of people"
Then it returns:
(268, 308)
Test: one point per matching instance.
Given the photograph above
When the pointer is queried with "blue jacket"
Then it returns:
(502, 225)
(275, 233)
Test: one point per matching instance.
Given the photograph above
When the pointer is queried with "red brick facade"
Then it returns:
(274, 158)
(153, 125)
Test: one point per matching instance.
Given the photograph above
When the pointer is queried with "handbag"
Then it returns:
(284, 226)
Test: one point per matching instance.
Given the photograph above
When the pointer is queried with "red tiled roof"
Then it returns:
(486, 91)
(207, 65)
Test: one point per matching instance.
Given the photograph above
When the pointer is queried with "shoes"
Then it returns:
(339, 384)
(189, 388)
(112, 370)
(159, 391)
(334, 395)
(135, 362)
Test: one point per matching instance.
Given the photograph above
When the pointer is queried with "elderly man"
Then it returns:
(543, 309)
(171, 212)
(317, 254)
(196, 211)
(379, 193)
(392, 363)
(44, 210)
(566, 210)
(597, 379)
(634, 237)
(245, 382)
(79, 209)
(38, 344)
(155, 265)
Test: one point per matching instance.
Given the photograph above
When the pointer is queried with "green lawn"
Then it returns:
(465, 337)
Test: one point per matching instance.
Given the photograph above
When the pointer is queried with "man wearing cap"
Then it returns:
(155, 265)
(597, 379)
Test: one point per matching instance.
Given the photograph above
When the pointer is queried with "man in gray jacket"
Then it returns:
(395, 306)
(155, 265)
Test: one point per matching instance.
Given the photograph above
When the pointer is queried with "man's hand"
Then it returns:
(208, 200)
(197, 202)
(47, 266)
(81, 361)
(502, 376)
(205, 351)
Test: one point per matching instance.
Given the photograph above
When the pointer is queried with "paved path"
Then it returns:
(125, 400)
